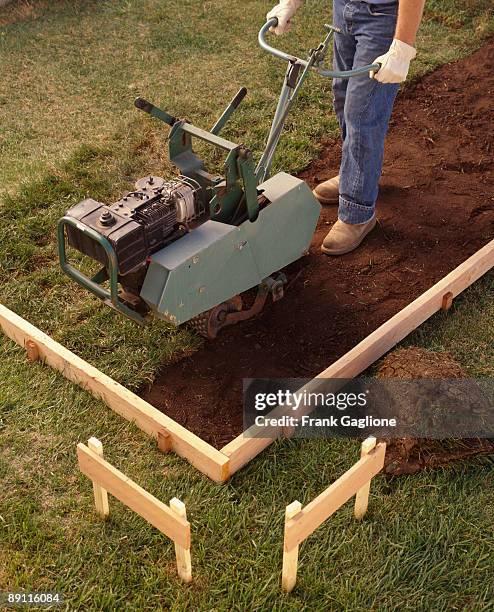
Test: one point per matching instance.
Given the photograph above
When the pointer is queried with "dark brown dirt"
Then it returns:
(414, 362)
(436, 208)
(411, 455)
(408, 456)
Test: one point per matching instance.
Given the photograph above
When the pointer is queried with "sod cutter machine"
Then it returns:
(185, 249)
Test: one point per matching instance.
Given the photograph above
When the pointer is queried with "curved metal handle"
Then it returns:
(272, 23)
(340, 74)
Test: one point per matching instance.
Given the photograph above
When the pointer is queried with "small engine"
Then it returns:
(139, 224)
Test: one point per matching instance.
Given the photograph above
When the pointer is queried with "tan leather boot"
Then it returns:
(343, 237)
(329, 191)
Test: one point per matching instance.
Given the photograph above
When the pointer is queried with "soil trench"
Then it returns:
(435, 209)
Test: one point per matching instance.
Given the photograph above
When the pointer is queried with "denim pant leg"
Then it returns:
(367, 109)
(344, 47)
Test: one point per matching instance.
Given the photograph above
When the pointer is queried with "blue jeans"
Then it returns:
(363, 105)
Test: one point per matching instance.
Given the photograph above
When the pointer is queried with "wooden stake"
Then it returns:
(330, 500)
(362, 497)
(32, 351)
(447, 301)
(164, 441)
(300, 523)
(100, 494)
(290, 557)
(184, 564)
(288, 431)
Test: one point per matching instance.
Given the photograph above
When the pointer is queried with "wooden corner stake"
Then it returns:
(362, 497)
(447, 301)
(184, 564)
(290, 557)
(32, 351)
(164, 441)
(100, 494)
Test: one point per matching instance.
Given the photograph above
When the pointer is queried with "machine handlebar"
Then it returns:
(342, 74)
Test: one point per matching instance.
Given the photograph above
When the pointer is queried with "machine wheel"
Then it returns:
(209, 323)
(230, 312)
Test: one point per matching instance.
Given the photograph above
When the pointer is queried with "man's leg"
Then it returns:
(368, 107)
(367, 110)
(344, 47)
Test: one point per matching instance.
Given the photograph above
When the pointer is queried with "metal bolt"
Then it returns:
(106, 218)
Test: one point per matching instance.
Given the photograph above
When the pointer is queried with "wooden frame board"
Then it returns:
(219, 465)
(132, 495)
(246, 446)
(202, 455)
(299, 527)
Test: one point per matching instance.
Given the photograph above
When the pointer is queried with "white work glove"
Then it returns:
(283, 11)
(395, 63)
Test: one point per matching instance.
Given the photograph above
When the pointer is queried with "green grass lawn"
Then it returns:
(68, 129)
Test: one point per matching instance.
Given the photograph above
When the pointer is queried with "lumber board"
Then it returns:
(245, 447)
(324, 505)
(132, 495)
(202, 455)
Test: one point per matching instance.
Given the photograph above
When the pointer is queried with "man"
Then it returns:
(381, 31)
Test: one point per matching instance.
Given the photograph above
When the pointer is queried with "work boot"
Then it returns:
(344, 237)
(329, 191)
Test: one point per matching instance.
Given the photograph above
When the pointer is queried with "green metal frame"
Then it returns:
(221, 194)
(224, 196)
(110, 297)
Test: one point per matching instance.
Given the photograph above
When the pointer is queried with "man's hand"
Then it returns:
(395, 63)
(283, 11)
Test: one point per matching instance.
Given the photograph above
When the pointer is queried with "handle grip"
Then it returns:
(373, 72)
(239, 96)
(272, 23)
(154, 111)
(341, 74)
